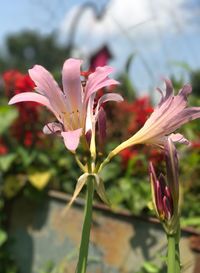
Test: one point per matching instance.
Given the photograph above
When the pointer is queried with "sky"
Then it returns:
(41, 15)
(161, 34)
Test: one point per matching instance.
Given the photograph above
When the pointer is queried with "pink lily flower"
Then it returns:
(170, 114)
(74, 106)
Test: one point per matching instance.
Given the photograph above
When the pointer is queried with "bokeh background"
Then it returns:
(145, 41)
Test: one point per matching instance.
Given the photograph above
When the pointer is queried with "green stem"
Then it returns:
(83, 253)
(173, 256)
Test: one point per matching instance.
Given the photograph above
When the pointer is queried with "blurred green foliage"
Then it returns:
(27, 48)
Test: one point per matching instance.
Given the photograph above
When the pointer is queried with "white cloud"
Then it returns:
(129, 26)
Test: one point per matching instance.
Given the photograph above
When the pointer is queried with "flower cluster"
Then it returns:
(3, 148)
(140, 109)
(132, 115)
(138, 112)
(25, 127)
(15, 82)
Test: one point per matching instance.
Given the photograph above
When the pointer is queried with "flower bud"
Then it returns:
(165, 190)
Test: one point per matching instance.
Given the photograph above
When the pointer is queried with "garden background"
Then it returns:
(145, 41)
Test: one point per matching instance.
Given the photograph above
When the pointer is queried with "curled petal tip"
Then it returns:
(168, 83)
(11, 101)
(72, 62)
(186, 90)
(179, 138)
(35, 68)
(30, 96)
(52, 128)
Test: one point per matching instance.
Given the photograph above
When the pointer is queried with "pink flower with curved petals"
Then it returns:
(170, 114)
(73, 107)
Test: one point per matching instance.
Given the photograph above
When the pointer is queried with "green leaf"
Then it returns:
(3, 237)
(183, 65)
(110, 172)
(13, 184)
(129, 62)
(115, 197)
(6, 161)
(132, 164)
(7, 116)
(99, 184)
(43, 158)
(150, 267)
(79, 185)
(26, 156)
(192, 221)
(125, 186)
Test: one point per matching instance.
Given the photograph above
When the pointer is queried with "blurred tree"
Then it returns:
(27, 48)
(195, 81)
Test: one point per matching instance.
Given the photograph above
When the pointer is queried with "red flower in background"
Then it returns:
(155, 155)
(100, 58)
(195, 144)
(24, 83)
(10, 78)
(28, 138)
(15, 82)
(128, 154)
(132, 116)
(3, 148)
(152, 155)
(140, 110)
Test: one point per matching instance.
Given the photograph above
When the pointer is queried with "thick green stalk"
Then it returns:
(171, 261)
(173, 256)
(83, 252)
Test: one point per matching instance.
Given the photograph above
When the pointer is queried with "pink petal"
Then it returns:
(90, 116)
(185, 91)
(46, 85)
(72, 83)
(167, 208)
(158, 197)
(167, 193)
(183, 117)
(98, 80)
(34, 97)
(179, 138)
(180, 101)
(109, 97)
(31, 96)
(152, 173)
(102, 124)
(170, 114)
(72, 138)
(169, 89)
(172, 167)
(52, 128)
(168, 94)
